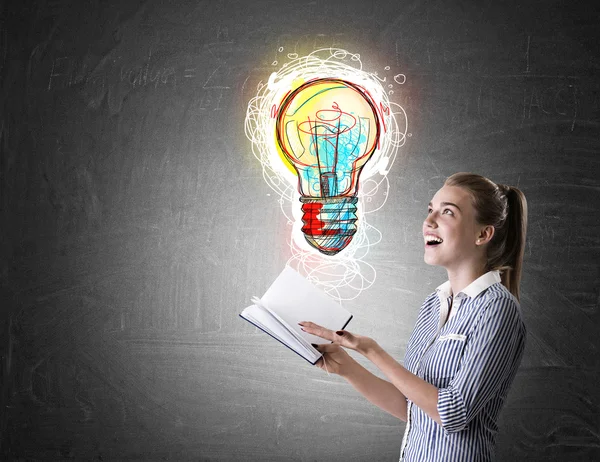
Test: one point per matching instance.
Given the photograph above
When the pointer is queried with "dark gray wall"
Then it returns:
(136, 223)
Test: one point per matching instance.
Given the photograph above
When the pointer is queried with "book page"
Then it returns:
(288, 328)
(293, 298)
(265, 320)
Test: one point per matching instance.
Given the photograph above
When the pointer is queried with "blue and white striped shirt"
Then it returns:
(472, 358)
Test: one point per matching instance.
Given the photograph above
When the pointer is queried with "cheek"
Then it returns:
(459, 240)
(468, 242)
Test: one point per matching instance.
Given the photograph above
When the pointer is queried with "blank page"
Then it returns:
(296, 299)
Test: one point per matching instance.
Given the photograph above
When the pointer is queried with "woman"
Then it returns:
(469, 337)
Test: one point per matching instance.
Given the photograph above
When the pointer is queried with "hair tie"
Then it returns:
(504, 188)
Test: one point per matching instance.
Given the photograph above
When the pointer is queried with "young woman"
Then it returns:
(469, 337)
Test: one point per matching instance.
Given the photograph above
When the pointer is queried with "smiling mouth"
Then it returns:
(433, 241)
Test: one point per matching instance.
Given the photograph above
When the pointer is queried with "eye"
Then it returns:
(449, 211)
(429, 210)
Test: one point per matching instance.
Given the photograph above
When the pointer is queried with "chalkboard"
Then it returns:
(137, 223)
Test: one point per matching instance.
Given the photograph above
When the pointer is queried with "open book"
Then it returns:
(289, 300)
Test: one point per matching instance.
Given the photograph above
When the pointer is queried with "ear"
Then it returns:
(485, 235)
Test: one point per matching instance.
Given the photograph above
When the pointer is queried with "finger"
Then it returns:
(325, 347)
(340, 337)
(322, 364)
(328, 364)
(328, 347)
(319, 331)
(315, 329)
(319, 363)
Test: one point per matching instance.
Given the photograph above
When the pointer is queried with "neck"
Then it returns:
(461, 277)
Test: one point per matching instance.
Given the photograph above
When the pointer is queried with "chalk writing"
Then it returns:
(68, 71)
(147, 74)
(72, 72)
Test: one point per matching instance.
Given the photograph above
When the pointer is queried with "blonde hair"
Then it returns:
(504, 208)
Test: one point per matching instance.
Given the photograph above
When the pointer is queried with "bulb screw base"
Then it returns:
(329, 222)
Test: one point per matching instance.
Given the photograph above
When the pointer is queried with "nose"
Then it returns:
(429, 221)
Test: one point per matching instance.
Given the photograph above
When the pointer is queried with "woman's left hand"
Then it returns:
(358, 343)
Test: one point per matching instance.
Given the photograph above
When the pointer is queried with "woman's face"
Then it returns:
(450, 231)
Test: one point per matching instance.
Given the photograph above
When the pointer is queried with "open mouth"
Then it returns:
(432, 241)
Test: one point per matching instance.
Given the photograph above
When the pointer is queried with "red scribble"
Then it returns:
(384, 109)
(312, 225)
(324, 117)
(273, 111)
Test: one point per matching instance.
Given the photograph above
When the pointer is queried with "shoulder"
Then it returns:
(429, 307)
(497, 304)
(431, 302)
(432, 297)
(497, 295)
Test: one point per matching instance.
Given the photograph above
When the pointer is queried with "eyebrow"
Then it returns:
(443, 204)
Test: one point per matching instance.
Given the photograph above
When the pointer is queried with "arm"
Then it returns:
(406, 384)
(421, 393)
(380, 392)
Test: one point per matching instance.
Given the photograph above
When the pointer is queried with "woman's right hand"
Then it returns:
(335, 359)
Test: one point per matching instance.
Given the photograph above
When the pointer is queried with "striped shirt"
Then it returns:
(472, 357)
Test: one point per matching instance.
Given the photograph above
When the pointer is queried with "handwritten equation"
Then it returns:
(150, 74)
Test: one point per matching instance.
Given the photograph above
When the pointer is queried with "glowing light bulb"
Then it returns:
(328, 129)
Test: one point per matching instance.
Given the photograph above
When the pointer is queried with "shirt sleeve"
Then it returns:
(491, 357)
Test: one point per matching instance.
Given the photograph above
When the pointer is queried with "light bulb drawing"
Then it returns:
(325, 112)
(328, 129)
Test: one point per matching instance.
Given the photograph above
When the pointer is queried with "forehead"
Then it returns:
(453, 194)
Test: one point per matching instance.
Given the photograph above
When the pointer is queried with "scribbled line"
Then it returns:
(344, 275)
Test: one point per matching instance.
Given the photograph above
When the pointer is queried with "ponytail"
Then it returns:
(510, 260)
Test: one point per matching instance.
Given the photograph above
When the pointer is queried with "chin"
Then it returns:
(433, 260)
(430, 261)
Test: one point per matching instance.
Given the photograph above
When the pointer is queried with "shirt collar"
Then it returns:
(474, 289)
